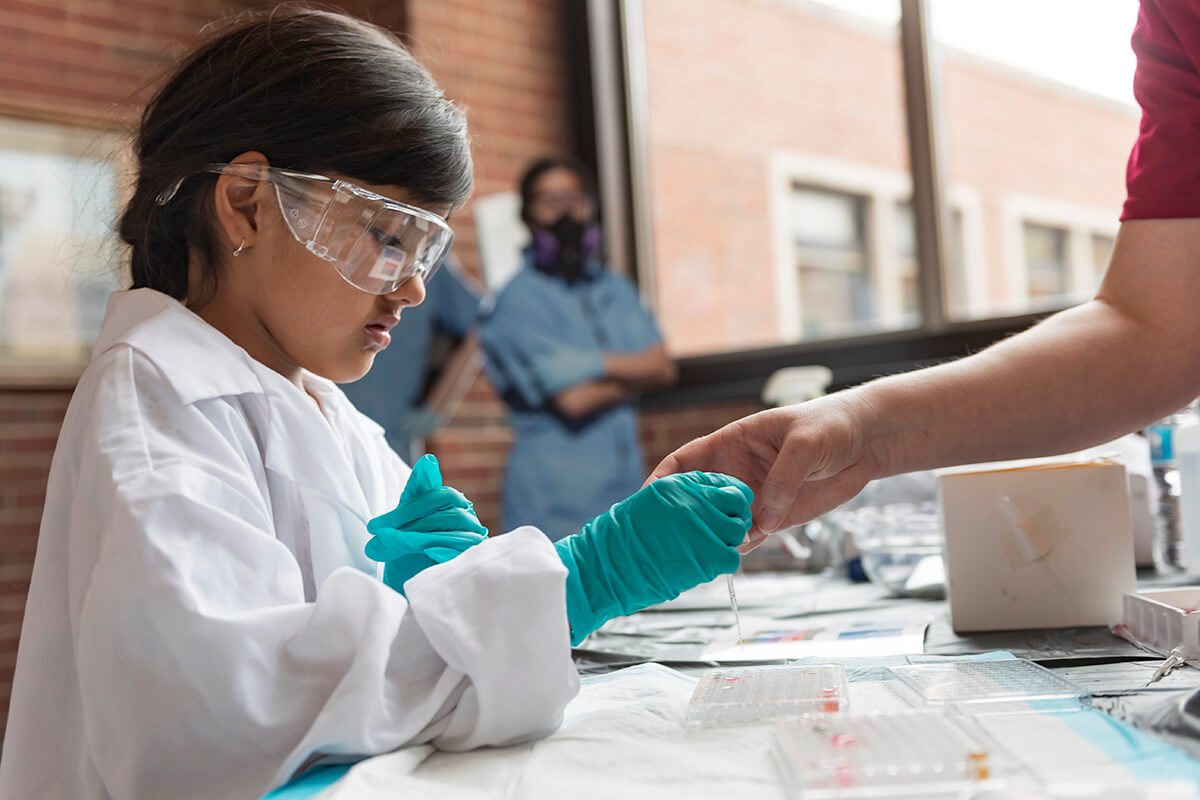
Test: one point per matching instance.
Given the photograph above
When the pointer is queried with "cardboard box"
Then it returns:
(1042, 543)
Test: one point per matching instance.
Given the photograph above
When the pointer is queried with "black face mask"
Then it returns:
(559, 247)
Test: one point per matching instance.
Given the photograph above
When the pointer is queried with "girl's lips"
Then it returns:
(378, 336)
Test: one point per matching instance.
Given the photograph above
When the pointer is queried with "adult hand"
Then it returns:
(667, 537)
(431, 524)
(800, 461)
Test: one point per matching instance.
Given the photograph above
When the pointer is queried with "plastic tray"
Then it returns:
(747, 695)
(918, 753)
(1164, 619)
(984, 681)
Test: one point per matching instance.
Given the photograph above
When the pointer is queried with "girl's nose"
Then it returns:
(409, 293)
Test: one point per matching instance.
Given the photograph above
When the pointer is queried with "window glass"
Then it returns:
(1046, 261)
(776, 147)
(778, 174)
(954, 285)
(833, 273)
(1037, 123)
(59, 258)
(1102, 247)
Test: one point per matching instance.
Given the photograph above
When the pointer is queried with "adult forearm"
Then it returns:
(589, 397)
(1082, 377)
(643, 369)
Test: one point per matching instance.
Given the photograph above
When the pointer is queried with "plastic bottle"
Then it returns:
(1168, 549)
(1187, 458)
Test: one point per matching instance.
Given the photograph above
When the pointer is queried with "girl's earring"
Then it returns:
(237, 251)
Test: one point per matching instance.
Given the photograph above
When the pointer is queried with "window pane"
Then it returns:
(776, 155)
(1102, 247)
(1046, 261)
(1038, 122)
(831, 259)
(58, 257)
(906, 248)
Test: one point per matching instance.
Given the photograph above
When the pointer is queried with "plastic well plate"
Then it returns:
(747, 695)
(982, 681)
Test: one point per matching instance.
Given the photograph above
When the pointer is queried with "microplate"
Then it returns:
(745, 695)
(981, 681)
(917, 753)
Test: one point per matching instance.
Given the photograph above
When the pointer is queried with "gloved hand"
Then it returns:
(556, 366)
(671, 535)
(431, 524)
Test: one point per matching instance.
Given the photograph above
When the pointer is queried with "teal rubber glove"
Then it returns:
(676, 533)
(431, 524)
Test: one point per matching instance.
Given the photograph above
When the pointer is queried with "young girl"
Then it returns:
(203, 620)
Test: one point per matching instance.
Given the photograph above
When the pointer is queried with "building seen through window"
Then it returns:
(779, 184)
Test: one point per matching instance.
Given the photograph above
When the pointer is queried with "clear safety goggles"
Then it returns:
(374, 242)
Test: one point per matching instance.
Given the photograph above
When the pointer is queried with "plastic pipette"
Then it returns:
(737, 620)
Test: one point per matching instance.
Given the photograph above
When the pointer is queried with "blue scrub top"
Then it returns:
(390, 391)
(563, 472)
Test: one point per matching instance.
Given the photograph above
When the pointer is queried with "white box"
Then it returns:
(1041, 543)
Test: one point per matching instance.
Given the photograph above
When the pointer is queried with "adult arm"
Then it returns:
(626, 374)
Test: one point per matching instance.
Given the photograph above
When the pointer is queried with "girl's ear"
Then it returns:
(238, 203)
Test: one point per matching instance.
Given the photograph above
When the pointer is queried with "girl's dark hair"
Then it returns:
(315, 91)
(543, 165)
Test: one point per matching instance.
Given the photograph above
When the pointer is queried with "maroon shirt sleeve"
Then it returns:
(1162, 178)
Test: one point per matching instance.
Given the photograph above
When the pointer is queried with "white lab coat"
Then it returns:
(202, 621)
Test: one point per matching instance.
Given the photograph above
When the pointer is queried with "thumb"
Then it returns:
(425, 477)
(779, 489)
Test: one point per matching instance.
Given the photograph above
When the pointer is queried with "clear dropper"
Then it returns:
(737, 620)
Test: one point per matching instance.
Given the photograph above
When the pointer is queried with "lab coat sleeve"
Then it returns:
(203, 671)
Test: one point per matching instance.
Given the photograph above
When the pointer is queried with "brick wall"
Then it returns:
(29, 423)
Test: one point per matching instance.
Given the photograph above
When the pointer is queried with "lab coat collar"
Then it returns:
(193, 355)
(200, 363)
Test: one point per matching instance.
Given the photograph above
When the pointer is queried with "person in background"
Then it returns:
(206, 616)
(392, 392)
(1087, 375)
(569, 346)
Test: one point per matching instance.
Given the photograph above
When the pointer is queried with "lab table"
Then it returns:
(624, 737)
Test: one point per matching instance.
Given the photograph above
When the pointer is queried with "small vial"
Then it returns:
(829, 700)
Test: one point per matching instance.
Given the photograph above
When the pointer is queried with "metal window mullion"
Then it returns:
(612, 161)
(924, 145)
(637, 131)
